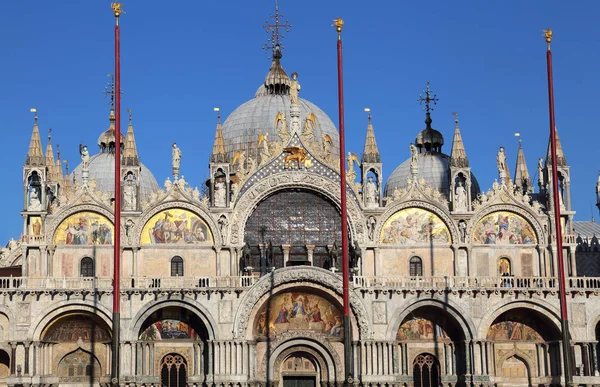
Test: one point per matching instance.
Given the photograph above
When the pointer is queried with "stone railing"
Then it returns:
(457, 283)
(570, 239)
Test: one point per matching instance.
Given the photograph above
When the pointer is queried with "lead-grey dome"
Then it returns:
(257, 116)
(433, 167)
(101, 169)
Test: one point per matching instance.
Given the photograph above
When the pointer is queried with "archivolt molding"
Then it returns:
(268, 283)
(246, 203)
(528, 358)
(201, 212)
(398, 206)
(70, 210)
(320, 349)
(528, 215)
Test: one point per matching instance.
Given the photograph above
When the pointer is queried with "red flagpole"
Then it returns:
(117, 239)
(339, 24)
(564, 318)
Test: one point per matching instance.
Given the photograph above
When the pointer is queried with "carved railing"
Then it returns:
(569, 239)
(456, 283)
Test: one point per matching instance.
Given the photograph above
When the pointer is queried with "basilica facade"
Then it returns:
(238, 282)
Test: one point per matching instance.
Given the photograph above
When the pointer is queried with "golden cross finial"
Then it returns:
(338, 24)
(428, 99)
(548, 36)
(116, 7)
(273, 42)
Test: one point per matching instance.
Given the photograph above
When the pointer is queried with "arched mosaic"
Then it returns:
(298, 311)
(510, 330)
(414, 226)
(169, 329)
(421, 329)
(84, 228)
(73, 328)
(504, 228)
(176, 226)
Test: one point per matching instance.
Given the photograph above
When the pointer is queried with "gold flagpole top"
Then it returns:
(548, 36)
(116, 7)
(338, 24)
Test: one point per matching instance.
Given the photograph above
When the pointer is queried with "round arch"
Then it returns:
(543, 309)
(460, 318)
(527, 214)
(39, 324)
(68, 211)
(403, 205)
(11, 322)
(249, 200)
(196, 308)
(201, 212)
(591, 325)
(311, 277)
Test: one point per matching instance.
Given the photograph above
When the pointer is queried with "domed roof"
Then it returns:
(433, 167)
(257, 116)
(429, 136)
(101, 169)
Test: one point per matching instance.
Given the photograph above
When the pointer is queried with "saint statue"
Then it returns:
(460, 197)
(540, 168)
(462, 226)
(36, 227)
(371, 227)
(176, 157)
(294, 89)
(129, 197)
(263, 144)
(85, 156)
(34, 200)
(414, 156)
(501, 159)
(371, 192)
(223, 222)
(220, 193)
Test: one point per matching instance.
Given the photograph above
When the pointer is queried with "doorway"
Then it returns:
(173, 371)
(299, 381)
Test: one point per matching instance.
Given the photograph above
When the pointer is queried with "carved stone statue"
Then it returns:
(460, 197)
(36, 227)
(371, 226)
(85, 156)
(34, 200)
(414, 156)
(371, 192)
(168, 184)
(294, 89)
(129, 196)
(176, 157)
(540, 169)
(462, 226)
(263, 145)
(220, 193)
(501, 160)
(223, 222)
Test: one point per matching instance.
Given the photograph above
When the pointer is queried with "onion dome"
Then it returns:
(106, 141)
(429, 139)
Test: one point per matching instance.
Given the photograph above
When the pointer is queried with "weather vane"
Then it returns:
(428, 99)
(273, 41)
(455, 114)
(116, 7)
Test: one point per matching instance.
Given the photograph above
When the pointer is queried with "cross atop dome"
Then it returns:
(428, 99)
(273, 43)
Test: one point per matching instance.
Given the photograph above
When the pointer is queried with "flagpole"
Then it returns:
(116, 7)
(339, 24)
(564, 318)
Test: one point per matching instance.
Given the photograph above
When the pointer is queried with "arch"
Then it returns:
(398, 206)
(426, 370)
(549, 314)
(80, 365)
(87, 267)
(314, 276)
(505, 265)
(47, 316)
(194, 307)
(322, 352)
(522, 357)
(68, 211)
(204, 217)
(247, 201)
(524, 213)
(458, 316)
(84, 228)
(177, 266)
(4, 364)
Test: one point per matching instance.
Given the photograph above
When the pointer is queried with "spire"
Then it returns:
(370, 152)
(59, 171)
(218, 153)
(35, 155)
(130, 155)
(458, 156)
(522, 179)
(561, 161)
(50, 159)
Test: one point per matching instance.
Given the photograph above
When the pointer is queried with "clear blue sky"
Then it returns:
(485, 59)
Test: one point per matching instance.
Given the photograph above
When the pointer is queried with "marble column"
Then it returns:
(26, 366)
(310, 249)
(286, 254)
(13, 358)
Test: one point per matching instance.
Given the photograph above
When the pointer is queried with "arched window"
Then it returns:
(504, 267)
(426, 371)
(416, 267)
(87, 267)
(173, 371)
(177, 267)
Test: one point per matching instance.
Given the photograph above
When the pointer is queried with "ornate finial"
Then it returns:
(548, 36)
(218, 110)
(130, 116)
(116, 7)
(66, 166)
(338, 24)
(49, 134)
(58, 150)
(368, 110)
(428, 99)
(518, 135)
(35, 116)
(273, 41)
(455, 114)
(110, 90)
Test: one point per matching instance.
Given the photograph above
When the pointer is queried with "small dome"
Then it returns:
(433, 167)
(101, 169)
(429, 139)
(106, 141)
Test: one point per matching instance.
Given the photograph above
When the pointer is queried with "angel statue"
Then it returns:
(284, 133)
(263, 146)
(327, 145)
(85, 156)
(238, 161)
(310, 123)
(351, 173)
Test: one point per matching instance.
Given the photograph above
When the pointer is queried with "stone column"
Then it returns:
(286, 254)
(377, 263)
(26, 366)
(310, 249)
(13, 358)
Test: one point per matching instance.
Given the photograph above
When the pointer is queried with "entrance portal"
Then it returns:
(173, 371)
(299, 381)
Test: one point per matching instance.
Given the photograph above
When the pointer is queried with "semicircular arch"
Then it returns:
(200, 212)
(309, 276)
(319, 349)
(527, 215)
(422, 205)
(199, 311)
(247, 203)
(63, 216)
